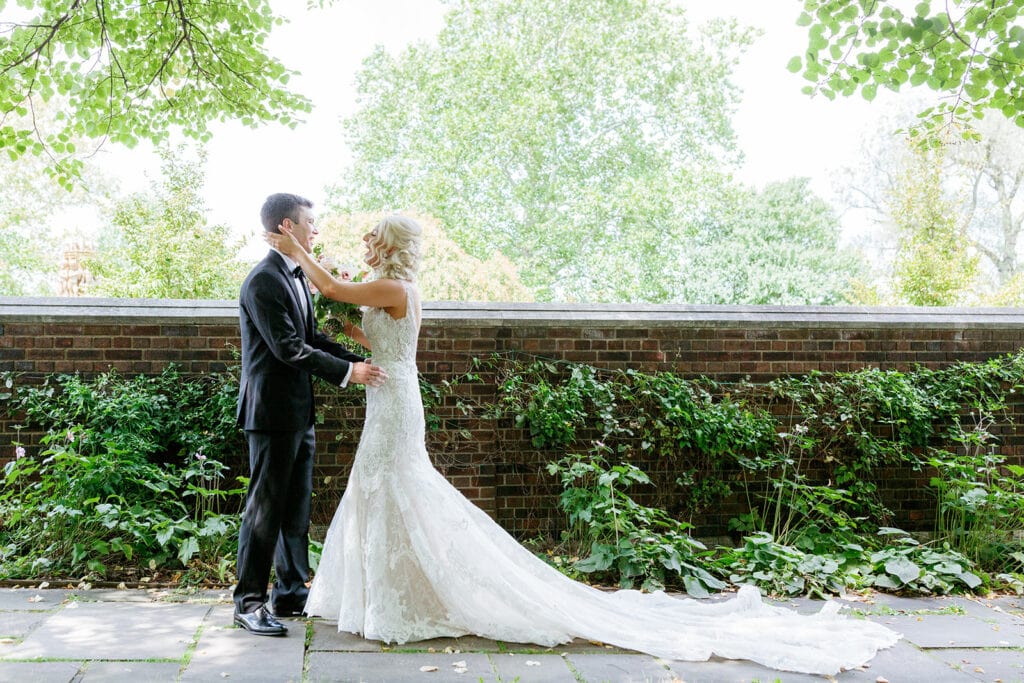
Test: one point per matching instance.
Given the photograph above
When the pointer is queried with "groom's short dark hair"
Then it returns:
(280, 206)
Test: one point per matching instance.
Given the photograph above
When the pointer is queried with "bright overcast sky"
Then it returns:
(782, 132)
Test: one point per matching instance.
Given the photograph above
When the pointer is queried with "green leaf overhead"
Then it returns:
(970, 52)
(129, 71)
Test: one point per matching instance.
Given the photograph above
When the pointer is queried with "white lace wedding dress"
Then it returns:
(407, 557)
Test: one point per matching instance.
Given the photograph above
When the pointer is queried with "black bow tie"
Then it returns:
(297, 272)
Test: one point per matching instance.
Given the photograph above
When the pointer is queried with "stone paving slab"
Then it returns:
(113, 595)
(113, 631)
(903, 663)
(599, 668)
(38, 672)
(986, 665)
(463, 644)
(533, 668)
(801, 605)
(129, 672)
(327, 638)
(228, 653)
(29, 600)
(364, 667)
(969, 606)
(151, 594)
(16, 625)
(902, 604)
(1011, 604)
(110, 635)
(951, 631)
(736, 671)
(580, 646)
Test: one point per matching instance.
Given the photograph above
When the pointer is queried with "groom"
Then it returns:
(281, 352)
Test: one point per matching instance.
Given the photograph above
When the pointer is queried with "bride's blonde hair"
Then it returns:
(399, 247)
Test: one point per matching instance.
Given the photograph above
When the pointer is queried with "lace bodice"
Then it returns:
(394, 410)
(394, 341)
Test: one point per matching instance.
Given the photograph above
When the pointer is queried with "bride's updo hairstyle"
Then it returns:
(399, 246)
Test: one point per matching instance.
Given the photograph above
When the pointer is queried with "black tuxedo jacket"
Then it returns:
(282, 350)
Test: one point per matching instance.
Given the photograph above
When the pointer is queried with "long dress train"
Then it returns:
(407, 557)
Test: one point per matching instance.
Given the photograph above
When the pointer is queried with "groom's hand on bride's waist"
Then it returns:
(369, 374)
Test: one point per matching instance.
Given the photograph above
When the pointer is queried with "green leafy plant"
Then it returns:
(783, 500)
(634, 543)
(128, 479)
(906, 565)
(556, 407)
(980, 498)
(786, 570)
(807, 455)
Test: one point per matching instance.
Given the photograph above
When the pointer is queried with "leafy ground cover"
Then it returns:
(132, 481)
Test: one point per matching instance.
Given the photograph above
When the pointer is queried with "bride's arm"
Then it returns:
(356, 333)
(377, 294)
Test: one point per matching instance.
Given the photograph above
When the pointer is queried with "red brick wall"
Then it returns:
(496, 466)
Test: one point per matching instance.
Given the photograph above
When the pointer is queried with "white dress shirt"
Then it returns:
(300, 289)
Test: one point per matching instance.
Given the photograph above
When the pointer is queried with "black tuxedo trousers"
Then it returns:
(275, 524)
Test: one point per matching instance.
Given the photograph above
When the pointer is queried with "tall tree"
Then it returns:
(32, 205)
(24, 266)
(128, 71)
(993, 164)
(576, 137)
(934, 265)
(970, 52)
(448, 273)
(159, 244)
(777, 246)
(980, 180)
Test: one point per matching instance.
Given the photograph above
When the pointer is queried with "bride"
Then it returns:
(407, 557)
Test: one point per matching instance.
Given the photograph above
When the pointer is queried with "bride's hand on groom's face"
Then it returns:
(284, 242)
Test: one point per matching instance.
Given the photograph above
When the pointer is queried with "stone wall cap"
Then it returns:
(58, 309)
(657, 315)
(47, 309)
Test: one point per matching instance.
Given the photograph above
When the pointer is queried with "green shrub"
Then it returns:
(128, 480)
(805, 453)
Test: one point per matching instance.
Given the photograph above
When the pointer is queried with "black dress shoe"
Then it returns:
(281, 612)
(261, 622)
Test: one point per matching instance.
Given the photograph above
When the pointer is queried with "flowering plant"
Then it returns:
(332, 315)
